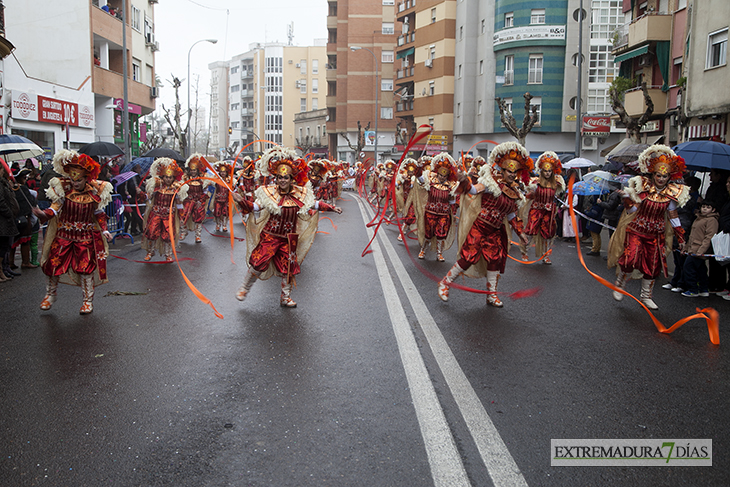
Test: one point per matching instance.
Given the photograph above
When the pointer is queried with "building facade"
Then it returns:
(360, 83)
(507, 48)
(69, 93)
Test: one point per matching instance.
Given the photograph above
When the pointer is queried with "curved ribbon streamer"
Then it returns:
(528, 262)
(709, 314)
(330, 219)
(148, 261)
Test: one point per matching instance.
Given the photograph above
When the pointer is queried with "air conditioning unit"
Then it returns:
(149, 39)
(154, 92)
(644, 60)
(155, 47)
(297, 65)
(429, 63)
(589, 143)
(153, 1)
(299, 84)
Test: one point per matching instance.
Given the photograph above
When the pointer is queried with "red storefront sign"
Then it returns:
(57, 111)
(596, 126)
(38, 108)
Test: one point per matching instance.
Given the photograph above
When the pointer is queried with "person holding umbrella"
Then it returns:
(75, 247)
(640, 242)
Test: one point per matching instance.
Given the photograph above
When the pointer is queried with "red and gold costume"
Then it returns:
(194, 206)
(74, 250)
(433, 199)
(158, 234)
(542, 209)
(643, 237)
(404, 182)
(483, 237)
(280, 238)
(317, 173)
(220, 198)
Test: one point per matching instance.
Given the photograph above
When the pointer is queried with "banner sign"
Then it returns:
(38, 108)
(540, 32)
(596, 126)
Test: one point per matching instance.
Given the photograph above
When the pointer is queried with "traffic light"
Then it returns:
(230, 130)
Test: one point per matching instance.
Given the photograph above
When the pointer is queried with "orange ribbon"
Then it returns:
(709, 314)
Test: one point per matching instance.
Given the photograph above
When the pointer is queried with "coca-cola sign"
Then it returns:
(596, 126)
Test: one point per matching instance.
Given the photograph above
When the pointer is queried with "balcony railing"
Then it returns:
(406, 38)
(509, 77)
(634, 101)
(404, 106)
(405, 73)
(403, 6)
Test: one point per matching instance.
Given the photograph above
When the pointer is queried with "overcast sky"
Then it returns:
(235, 24)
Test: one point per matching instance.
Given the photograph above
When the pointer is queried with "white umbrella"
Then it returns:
(578, 162)
(17, 148)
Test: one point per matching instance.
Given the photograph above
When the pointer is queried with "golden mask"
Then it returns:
(76, 174)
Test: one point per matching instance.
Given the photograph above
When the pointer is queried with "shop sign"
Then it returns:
(596, 126)
(529, 33)
(38, 108)
(119, 105)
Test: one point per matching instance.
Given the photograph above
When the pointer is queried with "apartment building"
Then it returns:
(64, 87)
(360, 82)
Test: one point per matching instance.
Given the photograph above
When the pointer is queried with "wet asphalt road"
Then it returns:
(370, 381)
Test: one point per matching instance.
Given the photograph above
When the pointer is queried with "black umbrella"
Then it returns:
(627, 154)
(103, 149)
(164, 152)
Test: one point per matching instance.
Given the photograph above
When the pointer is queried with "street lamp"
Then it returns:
(187, 132)
(377, 88)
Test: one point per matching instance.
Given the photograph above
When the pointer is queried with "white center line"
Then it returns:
(499, 462)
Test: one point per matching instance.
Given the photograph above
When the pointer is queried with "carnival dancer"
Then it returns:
(474, 167)
(246, 181)
(74, 251)
(541, 193)
(642, 240)
(220, 197)
(317, 169)
(404, 182)
(194, 206)
(161, 187)
(434, 199)
(386, 180)
(483, 237)
(376, 183)
(280, 238)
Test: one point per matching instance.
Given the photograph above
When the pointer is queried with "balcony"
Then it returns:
(404, 106)
(407, 5)
(332, 22)
(108, 27)
(108, 83)
(331, 73)
(405, 72)
(406, 38)
(634, 101)
(645, 29)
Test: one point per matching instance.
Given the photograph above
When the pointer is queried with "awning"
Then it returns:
(617, 147)
(405, 53)
(631, 54)
(709, 130)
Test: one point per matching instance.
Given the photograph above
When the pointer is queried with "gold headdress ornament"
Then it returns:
(194, 162)
(280, 161)
(445, 165)
(512, 157)
(164, 166)
(550, 160)
(74, 165)
(478, 162)
(661, 159)
(390, 164)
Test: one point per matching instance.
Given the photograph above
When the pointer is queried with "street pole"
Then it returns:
(190, 111)
(578, 118)
(377, 88)
(125, 94)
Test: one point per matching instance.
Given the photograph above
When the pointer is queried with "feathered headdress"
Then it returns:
(513, 157)
(550, 160)
(70, 163)
(194, 162)
(280, 161)
(445, 165)
(164, 166)
(661, 159)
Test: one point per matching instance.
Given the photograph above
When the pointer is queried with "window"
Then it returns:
(601, 68)
(509, 20)
(508, 105)
(234, 125)
(430, 122)
(136, 19)
(433, 15)
(388, 28)
(461, 33)
(681, 4)
(458, 110)
(136, 72)
(315, 66)
(484, 26)
(386, 113)
(431, 88)
(303, 66)
(315, 103)
(302, 104)
(479, 107)
(234, 106)
(459, 71)
(388, 2)
(302, 86)
(481, 67)
(599, 101)
(234, 69)
(300, 133)
(537, 102)
(315, 85)
(386, 85)
(386, 56)
(606, 18)
(509, 70)
(537, 16)
(717, 49)
(235, 88)
(534, 75)
(432, 54)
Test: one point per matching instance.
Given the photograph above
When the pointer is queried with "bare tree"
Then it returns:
(305, 144)
(403, 134)
(154, 140)
(173, 119)
(529, 120)
(358, 147)
(633, 124)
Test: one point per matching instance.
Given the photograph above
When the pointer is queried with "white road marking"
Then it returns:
(499, 462)
(447, 468)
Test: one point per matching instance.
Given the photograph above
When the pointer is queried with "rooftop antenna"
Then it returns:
(290, 33)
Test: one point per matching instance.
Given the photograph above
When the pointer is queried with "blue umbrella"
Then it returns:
(145, 162)
(590, 188)
(17, 148)
(703, 155)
